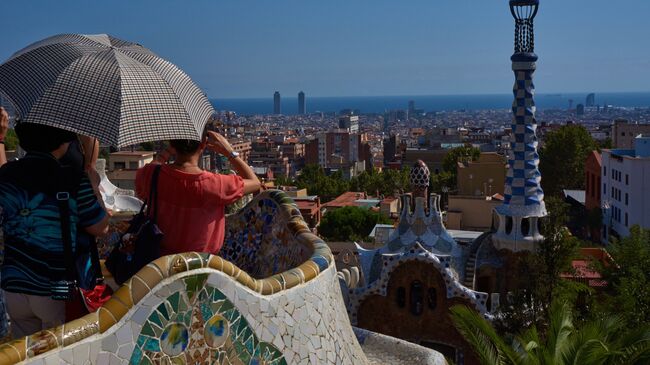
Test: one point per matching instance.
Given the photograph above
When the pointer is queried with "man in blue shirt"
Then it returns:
(34, 259)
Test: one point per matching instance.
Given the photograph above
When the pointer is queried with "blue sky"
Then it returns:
(244, 48)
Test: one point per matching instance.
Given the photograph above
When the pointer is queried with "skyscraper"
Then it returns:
(276, 103)
(523, 205)
(302, 107)
(591, 100)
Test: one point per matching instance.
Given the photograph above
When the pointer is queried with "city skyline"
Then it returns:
(360, 49)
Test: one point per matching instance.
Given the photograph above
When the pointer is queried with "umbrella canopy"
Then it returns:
(104, 87)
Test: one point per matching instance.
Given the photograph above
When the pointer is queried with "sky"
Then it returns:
(245, 48)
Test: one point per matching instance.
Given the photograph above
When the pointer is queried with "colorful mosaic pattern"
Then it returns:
(258, 241)
(318, 259)
(428, 229)
(385, 264)
(523, 195)
(200, 325)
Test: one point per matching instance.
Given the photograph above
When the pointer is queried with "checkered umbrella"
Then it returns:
(104, 87)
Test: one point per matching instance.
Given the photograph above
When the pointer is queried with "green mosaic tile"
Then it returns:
(146, 361)
(155, 318)
(195, 283)
(147, 330)
(162, 309)
(193, 312)
(174, 300)
(152, 345)
(217, 295)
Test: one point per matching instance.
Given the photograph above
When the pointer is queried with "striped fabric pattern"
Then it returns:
(523, 196)
(104, 87)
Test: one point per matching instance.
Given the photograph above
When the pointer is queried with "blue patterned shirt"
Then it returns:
(33, 252)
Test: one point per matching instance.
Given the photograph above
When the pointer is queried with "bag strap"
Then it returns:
(94, 260)
(63, 198)
(153, 194)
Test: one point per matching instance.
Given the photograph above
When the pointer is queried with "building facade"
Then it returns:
(593, 185)
(625, 197)
(484, 177)
(624, 133)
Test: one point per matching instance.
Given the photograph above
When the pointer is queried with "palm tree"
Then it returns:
(603, 341)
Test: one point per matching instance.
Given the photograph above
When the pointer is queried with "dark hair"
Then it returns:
(42, 138)
(185, 146)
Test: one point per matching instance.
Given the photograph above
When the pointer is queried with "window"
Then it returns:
(604, 171)
(627, 179)
(119, 165)
(416, 298)
(625, 219)
(133, 165)
(401, 297)
(626, 198)
(432, 298)
(612, 192)
(604, 188)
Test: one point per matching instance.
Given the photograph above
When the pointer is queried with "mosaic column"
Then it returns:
(524, 199)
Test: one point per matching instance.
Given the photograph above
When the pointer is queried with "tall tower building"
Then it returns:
(523, 205)
(276, 103)
(302, 106)
(591, 100)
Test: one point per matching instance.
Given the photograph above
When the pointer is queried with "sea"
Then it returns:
(427, 103)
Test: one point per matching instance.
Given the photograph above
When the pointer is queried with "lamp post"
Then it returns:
(523, 202)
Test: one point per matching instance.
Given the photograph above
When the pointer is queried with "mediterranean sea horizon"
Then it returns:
(427, 103)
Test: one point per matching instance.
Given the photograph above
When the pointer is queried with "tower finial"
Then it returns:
(524, 12)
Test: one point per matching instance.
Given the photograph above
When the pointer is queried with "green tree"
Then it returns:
(350, 224)
(629, 277)
(538, 280)
(562, 158)
(314, 179)
(602, 341)
(453, 157)
(459, 154)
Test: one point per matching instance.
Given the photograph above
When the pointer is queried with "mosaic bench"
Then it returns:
(273, 298)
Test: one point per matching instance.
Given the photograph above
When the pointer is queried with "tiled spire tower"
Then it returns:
(523, 205)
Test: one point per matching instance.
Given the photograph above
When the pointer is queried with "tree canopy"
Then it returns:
(562, 158)
(538, 281)
(350, 223)
(448, 176)
(629, 278)
(328, 187)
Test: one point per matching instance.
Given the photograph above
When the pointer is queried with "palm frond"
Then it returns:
(487, 344)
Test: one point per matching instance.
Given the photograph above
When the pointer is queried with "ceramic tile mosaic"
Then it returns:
(257, 241)
(199, 308)
(384, 264)
(381, 349)
(198, 324)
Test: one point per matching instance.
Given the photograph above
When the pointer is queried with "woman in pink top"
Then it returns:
(191, 201)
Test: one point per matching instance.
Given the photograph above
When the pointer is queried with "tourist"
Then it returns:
(34, 265)
(191, 201)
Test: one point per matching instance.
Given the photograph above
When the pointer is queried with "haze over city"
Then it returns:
(241, 49)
